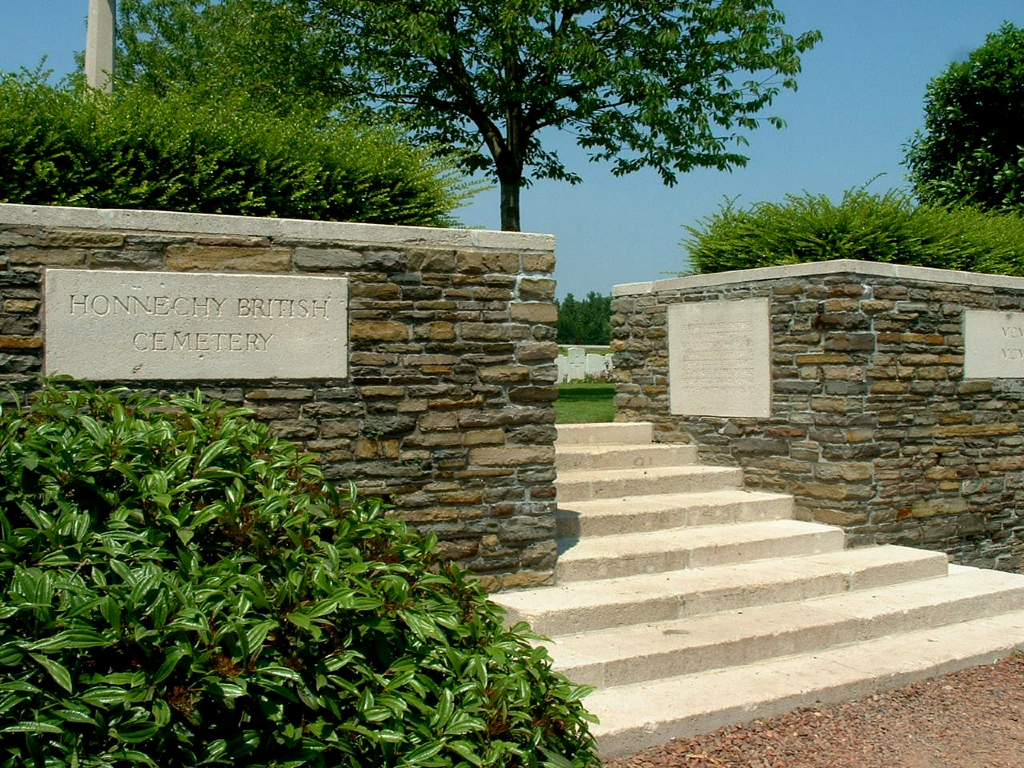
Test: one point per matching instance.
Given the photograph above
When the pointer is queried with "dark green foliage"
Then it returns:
(888, 227)
(71, 146)
(178, 588)
(585, 322)
(270, 51)
(971, 151)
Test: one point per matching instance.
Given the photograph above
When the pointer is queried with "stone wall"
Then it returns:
(872, 424)
(447, 406)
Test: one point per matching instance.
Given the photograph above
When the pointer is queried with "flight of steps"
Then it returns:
(692, 604)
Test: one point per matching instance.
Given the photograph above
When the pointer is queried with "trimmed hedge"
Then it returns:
(887, 228)
(69, 145)
(179, 588)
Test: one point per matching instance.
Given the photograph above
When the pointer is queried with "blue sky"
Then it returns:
(860, 99)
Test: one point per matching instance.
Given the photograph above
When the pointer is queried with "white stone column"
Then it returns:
(99, 44)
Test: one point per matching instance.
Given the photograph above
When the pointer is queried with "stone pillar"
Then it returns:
(99, 44)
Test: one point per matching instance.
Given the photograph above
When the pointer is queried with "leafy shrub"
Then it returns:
(178, 588)
(887, 228)
(72, 146)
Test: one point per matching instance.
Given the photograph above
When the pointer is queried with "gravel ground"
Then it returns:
(968, 719)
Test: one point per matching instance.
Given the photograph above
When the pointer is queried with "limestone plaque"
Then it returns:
(109, 326)
(993, 344)
(719, 358)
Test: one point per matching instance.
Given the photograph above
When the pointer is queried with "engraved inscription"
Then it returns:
(148, 325)
(163, 341)
(993, 344)
(718, 358)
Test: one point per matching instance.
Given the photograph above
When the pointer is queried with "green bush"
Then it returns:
(888, 228)
(69, 145)
(178, 588)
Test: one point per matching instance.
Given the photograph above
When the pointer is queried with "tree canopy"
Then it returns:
(971, 151)
(266, 50)
(669, 85)
(585, 322)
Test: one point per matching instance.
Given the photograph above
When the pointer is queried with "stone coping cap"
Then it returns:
(836, 266)
(281, 229)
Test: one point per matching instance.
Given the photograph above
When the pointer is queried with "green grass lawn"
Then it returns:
(585, 401)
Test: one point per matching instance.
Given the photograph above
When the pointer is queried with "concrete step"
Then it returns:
(585, 606)
(581, 485)
(639, 653)
(596, 434)
(576, 457)
(610, 517)
(631, 554)
(644, 715)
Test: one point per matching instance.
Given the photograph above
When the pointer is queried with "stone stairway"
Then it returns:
(692, 604)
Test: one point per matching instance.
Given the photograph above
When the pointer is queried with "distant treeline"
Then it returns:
(585, 322)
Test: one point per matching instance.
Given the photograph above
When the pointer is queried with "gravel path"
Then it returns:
(968, 719)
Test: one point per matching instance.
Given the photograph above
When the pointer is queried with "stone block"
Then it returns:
(474, 437)
(48, 257)
(202, 258)
(361, 289)
(544, 351)
(819, 358)
(890, 388)
(512, 456)
(435, 421)
(538, 262)
(130, 259)
(504, 374)
(474, 331)
(936, 507)
(21, 306)
(753, 446)
(436, 331)
(81, 239)
(484, 262)
(378, 330)
(536, 289)
(976, 430)
(325, 259)
(280, 393)
(844, 471)
(533, 394)
(21, 342)
(533, 312)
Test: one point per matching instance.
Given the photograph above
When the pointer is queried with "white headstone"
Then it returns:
(597, 365)
(562, 366)
(113, 326)
(577, 363)
(719, 358)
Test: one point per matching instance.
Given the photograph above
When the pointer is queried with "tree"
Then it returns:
(642, 83)
(670, 85)
(585, 322)
(266, 50)
(971, 151)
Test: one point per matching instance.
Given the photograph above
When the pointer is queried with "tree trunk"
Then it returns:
(510, 188)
